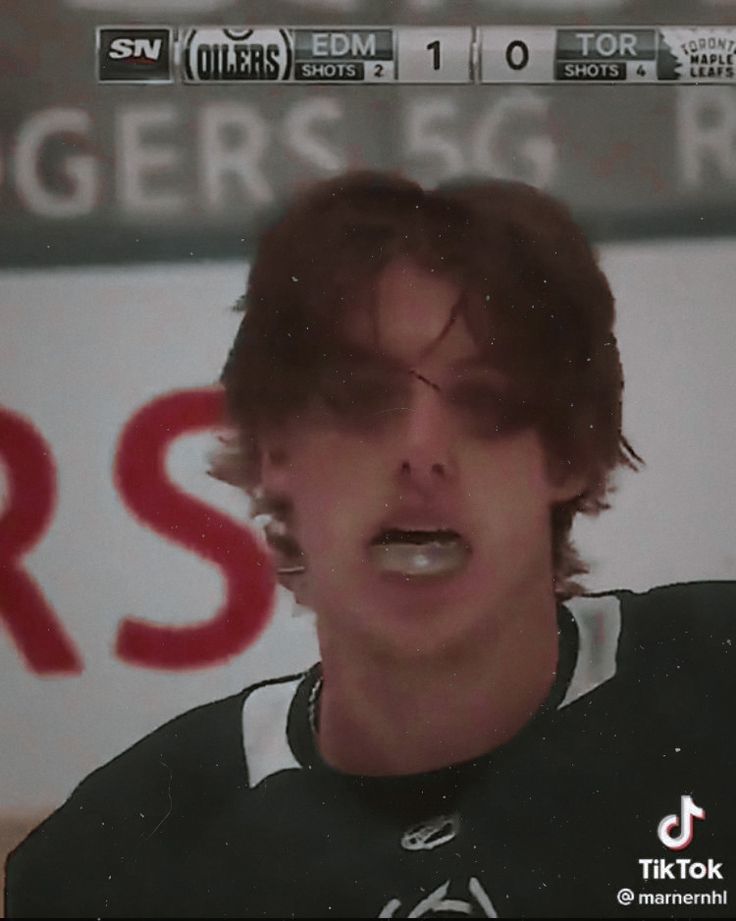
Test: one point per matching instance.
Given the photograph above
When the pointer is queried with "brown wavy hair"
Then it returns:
(534, 298)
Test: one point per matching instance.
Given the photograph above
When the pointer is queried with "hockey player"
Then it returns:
(427, 389)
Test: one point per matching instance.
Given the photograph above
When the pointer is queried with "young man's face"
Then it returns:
(423, 515)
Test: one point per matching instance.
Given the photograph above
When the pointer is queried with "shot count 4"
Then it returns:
(684, 54)
(418, 54)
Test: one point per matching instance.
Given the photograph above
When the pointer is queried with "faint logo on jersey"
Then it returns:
(427, 835)
(684, 823)
(441, 903)
(134, 55)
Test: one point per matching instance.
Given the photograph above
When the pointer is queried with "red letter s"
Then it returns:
(31, 494)
(142, 481)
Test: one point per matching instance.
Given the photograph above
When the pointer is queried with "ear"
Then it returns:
(275, 490)
(275, 465)
(565, 481)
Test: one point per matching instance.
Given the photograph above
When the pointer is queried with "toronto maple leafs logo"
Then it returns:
(697, 53)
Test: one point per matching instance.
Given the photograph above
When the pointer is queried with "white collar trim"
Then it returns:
(266, 709)
(265, 741)
(599, 629)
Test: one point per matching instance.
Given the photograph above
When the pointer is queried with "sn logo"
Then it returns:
(142, 49)
(685, 820)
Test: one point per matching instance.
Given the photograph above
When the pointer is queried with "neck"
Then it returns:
(384, 714)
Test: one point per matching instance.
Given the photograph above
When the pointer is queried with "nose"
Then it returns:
(428, 442)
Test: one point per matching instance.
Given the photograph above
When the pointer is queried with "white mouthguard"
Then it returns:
(428, 558)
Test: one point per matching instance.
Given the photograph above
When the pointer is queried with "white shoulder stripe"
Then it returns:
(265, 715)
(599, 629)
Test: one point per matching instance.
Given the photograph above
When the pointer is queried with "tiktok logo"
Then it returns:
(685, 820)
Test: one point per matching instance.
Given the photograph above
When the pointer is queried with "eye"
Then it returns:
(356, 395)
(488, 410)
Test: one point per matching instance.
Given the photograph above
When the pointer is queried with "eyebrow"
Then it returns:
(476, 364)
(360, 355)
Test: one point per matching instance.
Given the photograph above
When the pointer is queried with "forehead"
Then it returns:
(414, 317)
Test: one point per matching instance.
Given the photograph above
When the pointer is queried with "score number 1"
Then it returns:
(517, 54)
(448, 60)
(434, 47)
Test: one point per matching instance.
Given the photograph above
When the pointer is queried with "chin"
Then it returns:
(442, 634)
(416, 619)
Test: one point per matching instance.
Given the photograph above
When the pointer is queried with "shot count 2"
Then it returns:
(418, 54)
(327, 55)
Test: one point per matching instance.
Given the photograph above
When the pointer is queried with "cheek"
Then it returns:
(509, 487)
(331, 484)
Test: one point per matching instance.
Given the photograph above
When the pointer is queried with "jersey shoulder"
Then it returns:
(675, 650)
(691, 623)
(164, 786)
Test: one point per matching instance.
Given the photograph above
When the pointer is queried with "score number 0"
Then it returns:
(517, 54)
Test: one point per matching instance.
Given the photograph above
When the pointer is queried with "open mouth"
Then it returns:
(419, 553)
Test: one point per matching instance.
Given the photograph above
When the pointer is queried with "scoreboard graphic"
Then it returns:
(408, 54)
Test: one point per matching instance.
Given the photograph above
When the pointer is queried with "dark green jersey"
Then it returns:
(616, 799)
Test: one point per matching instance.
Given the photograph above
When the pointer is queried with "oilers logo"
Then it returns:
(227, 55)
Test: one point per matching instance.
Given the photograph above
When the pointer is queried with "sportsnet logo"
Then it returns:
(126, 55)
